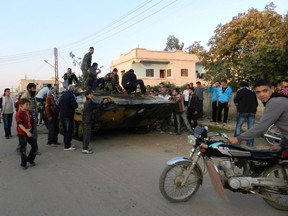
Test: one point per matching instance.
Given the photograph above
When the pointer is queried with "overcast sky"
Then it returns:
(31, 29)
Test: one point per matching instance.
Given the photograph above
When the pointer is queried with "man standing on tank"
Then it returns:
(86, 64)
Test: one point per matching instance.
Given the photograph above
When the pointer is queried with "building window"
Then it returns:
(184, 72)
(149, 72)
(162, 73)
(169, 74)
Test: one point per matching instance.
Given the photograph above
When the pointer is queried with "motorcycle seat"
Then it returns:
(265, 154)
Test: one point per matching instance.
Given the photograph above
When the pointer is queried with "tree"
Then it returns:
(75, 61)
(173, 44)
(252, 45)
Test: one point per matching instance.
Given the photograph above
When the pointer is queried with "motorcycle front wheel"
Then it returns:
(276, 197)
(170, 182)
(272, 135)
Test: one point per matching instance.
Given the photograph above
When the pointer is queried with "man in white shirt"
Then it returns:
(186, 95)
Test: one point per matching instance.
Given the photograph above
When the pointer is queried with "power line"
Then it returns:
(108, 25)
(16, 58)
(123, 29)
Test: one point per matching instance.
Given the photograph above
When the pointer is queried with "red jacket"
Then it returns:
(25, 118)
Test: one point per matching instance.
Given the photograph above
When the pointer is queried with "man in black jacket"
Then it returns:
(69, 78)
(90, 107)
(246, 103)
(130, 82)
(91, 112)
(67, 106)
(193, 108)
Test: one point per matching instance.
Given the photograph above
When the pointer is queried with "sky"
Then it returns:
(31, 29)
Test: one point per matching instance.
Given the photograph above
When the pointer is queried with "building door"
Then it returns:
(162, 73)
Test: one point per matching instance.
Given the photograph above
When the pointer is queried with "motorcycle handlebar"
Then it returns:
(223, 135)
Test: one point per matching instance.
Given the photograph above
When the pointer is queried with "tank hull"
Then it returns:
(125, 111)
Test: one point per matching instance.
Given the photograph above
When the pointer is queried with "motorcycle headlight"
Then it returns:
(191, 140)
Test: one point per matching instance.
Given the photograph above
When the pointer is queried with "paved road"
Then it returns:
(121, 178)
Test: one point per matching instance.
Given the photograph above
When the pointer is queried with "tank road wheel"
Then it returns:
(276, 197)
(170, 182)
(80, 130)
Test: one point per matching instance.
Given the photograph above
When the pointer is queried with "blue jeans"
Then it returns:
(7, 119)
(67, 131)
(241, 118)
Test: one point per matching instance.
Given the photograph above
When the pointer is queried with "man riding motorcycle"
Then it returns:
(276, 112)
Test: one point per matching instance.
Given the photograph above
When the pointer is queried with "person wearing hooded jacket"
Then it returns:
(275, 112)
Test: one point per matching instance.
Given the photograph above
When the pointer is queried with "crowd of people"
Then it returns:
(187, 108)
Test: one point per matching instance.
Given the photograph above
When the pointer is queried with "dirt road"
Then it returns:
(120, 178)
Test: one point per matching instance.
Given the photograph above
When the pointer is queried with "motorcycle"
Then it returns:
(261, 172)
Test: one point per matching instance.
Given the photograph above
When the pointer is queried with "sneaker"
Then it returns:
(32, 163)
(89, 151)
(24, 167)
(161, 132)
(69, 149)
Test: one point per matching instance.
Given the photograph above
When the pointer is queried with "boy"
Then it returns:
(25, 125)
(89, 105)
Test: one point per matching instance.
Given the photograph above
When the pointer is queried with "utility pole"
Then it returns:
(56, 69)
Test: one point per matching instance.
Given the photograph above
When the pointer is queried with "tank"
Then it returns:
(139, 113)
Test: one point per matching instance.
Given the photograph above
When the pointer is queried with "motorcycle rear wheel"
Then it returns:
(278, 196)
(172, 177)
